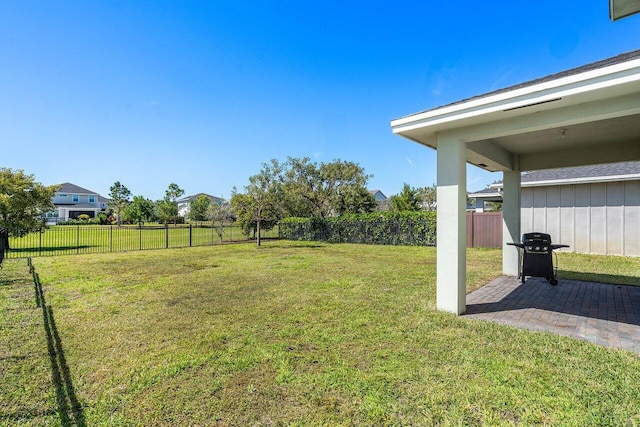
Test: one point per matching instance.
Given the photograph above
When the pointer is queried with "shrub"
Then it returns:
(382, 228)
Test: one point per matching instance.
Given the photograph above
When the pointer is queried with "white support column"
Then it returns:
(451, 294)
(510, 222)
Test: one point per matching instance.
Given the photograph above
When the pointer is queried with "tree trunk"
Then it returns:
(258, 230)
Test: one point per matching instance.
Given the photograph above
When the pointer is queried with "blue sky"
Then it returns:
(202, 93)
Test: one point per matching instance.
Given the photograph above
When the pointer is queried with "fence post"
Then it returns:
(166, 236)
(140, 232)
(190, 235)
(111, 238)
(77, 239)
(40, 244)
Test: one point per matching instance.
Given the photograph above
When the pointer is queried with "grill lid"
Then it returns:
(536, 242)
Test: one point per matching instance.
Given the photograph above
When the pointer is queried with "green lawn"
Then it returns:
(290, 333)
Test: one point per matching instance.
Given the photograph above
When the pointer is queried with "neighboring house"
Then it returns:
(383, 203)
(593, 209)
(484, 196)
(184, 203)
(104, 203)
(378, 195)
(71, 201)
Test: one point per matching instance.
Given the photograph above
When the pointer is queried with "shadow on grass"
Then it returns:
(9, 282)
(69, 409)
(298, 244)
(49, 249)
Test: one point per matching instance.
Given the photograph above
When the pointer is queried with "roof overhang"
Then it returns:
(580, 118)
(621, 8)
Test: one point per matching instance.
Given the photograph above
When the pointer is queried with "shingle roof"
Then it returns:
(594, 171)
(374, 192)
(624, 57)
(603, 172)
(485, 192)
(68, 187)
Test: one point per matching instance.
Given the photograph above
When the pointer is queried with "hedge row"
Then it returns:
(380, 228)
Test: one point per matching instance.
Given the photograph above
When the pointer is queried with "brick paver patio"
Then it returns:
(607, 315)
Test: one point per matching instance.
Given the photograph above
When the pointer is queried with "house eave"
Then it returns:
(536, 94)
(585, 88)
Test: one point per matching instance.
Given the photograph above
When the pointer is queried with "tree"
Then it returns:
(166, 210)
(139, 210)
(427, 197)
(356, 200)
(261, 202)
(220, 213)
(23, 201)
(407, 200)
(171, 196)
(119, 199)
(199, 208)
(327, 189)
(493, 207)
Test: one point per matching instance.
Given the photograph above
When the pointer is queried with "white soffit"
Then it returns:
(602, 83)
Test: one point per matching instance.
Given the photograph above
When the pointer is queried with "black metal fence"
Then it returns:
(82, 239)
(4, 243)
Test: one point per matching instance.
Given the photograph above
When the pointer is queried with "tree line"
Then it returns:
(140, 209)
(301, 188)
(297, 187)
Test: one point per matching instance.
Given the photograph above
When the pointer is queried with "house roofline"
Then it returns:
(583, 180)
(590, 74)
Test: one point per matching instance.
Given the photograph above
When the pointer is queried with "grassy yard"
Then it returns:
(287, 334)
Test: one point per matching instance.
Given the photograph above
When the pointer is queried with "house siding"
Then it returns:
(598, 218)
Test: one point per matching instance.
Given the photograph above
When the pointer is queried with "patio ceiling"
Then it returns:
(587, 115)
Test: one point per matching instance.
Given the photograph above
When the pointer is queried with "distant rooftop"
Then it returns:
(68, 187)
(189, 198)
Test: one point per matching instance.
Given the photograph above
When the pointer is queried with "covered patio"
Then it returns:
(587, 115)
(604, 314)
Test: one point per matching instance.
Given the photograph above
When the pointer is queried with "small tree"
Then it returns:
(219, 213)
(261, 203)
(171, 196)
(427, 197)
(23, 201)
(407, 200)
(119, 199)
(199, 208)
(166, 210)
(139, 210)
(355, 200)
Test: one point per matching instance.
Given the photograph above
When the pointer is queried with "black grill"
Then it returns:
(537, 256)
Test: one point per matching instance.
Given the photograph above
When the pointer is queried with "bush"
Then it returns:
(382, 228)
(103, 219)
(84, 219)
